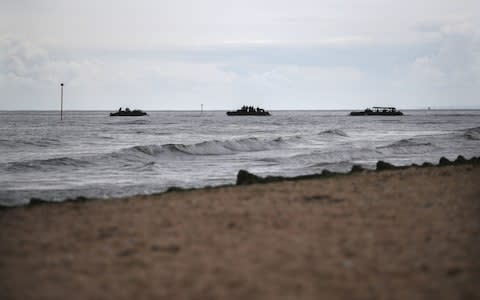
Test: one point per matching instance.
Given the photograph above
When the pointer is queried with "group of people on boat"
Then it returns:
(381, 109)
(128, 112)
(257, 111)
(378, 111)
(251, 109)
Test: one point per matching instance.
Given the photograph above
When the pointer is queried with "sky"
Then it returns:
(277, 54)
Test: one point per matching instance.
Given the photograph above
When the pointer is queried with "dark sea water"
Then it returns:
(93, 155)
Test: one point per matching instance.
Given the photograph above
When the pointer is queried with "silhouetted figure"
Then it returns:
(249, 111)
(128, 112)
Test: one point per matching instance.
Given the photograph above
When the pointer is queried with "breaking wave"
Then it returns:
(406, 143)
(142, 155)
(213, 147)
(42, 164)
(472, 133)
(337, 132)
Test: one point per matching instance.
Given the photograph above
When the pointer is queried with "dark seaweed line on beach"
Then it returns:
(246, 178)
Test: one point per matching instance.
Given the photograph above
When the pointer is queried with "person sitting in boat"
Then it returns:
(127, 109)
(120, 109)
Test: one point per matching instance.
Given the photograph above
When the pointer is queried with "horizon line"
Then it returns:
(282, 109)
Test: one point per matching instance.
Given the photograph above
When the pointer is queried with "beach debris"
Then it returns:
(244, 177)
(381, 165)
(460, 160)
(37, 201)
(325, 173)
(444, 161)
(356, 168)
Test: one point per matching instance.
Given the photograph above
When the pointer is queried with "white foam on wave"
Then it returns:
(211, 147)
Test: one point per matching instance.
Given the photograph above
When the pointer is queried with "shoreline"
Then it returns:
(245, 178)
(401, 233)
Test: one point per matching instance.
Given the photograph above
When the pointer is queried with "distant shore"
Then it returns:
(395, 233)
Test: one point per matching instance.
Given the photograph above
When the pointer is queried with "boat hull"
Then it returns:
(373, 113)
(243, 113)
(125, 114)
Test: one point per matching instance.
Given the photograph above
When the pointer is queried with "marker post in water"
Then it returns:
(61, 101)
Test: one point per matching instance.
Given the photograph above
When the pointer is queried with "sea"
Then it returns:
(90, 154)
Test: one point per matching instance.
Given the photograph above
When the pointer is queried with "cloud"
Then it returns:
(449, 74)
(456, 58)
(21, 58)
(99, 81)
(440, 65)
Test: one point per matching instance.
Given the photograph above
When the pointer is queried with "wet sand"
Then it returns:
(396, 234)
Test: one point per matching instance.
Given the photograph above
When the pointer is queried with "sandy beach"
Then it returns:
(397, 234)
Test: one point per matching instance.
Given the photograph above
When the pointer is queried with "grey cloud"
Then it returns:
(457, 58)
(219, 51)
(22, 59)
